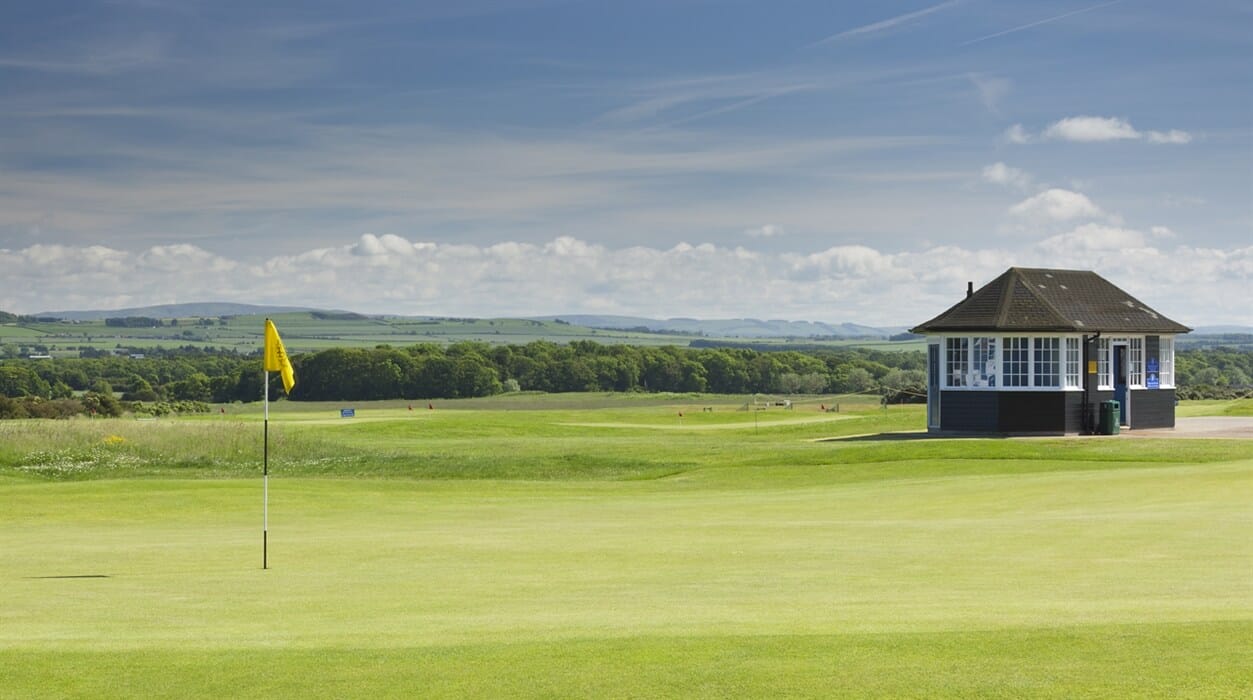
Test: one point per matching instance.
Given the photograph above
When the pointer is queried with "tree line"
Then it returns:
(471, 369)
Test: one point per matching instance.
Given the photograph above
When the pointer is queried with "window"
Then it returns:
(1135, 362)
(1016, 362)
(1166, 355)
(1073, 364)
(1102, 364)
(1047, 362)
(957, 360)
(983, 359)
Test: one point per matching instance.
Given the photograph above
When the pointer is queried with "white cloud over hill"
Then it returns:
(392, 274)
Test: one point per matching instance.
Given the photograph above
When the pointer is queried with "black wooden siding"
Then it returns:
(1152, 408)
(973, 411)
(1032, 412)
(1053, 412)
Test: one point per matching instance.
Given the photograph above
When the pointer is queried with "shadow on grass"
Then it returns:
(905, 436)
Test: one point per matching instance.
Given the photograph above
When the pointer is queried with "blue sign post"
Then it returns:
(347, 412)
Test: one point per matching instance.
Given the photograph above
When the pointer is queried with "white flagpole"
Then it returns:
(265, 478)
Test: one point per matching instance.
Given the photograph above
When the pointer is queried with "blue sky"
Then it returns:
(822, 161)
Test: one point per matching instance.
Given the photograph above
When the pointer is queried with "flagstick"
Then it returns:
(265, 479)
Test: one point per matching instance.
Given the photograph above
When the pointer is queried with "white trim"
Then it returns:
(941, 340)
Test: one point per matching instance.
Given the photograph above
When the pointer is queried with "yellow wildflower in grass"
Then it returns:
(112, 440)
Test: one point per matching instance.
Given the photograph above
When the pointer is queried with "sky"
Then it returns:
(802, 160)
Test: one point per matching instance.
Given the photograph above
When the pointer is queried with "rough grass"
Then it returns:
(567, 561)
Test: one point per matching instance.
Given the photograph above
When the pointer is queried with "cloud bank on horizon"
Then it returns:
(811, 161)
(390, 274)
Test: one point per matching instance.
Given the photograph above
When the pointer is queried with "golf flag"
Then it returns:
(276, 359)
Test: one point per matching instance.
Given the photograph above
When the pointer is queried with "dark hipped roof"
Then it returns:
(1024, 299)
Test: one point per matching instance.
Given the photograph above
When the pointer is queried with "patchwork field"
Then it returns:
(607, 546)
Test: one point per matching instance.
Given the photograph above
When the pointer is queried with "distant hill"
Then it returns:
(1223, 330)
(728, 328)
(202, 310)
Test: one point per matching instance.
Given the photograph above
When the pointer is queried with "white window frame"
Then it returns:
(956, 371)
(967, 359)
(1016, 344)
(1072, 364)
(1104, 360)
(1043, 354)
(1135, 362)
(1166, 362)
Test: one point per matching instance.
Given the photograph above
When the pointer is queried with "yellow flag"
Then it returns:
(276, 359)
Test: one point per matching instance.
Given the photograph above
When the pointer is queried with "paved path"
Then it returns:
(1202, 427)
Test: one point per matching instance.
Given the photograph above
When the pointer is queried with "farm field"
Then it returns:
(593, 545)
(306, 332)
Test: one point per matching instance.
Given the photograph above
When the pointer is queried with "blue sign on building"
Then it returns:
(1152, 379)
(347, 412)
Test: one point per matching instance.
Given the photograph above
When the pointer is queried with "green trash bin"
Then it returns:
(1111, 413)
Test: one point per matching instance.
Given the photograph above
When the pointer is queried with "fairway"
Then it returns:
(608, 551)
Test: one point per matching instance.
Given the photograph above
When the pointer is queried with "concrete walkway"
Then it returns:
(1201, 427)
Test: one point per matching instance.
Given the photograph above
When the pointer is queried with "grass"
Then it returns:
(1231, 407)
(476, 551)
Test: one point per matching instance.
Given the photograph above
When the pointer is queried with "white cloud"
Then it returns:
(1085, 129)
(767, 231)
(1172, 136)
(1089, 129)
(1017, 134)
(1001, 174)
(1057, 205)
(1090, 238)
(391, 274)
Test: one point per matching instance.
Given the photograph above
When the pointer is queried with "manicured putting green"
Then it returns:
(893, 569)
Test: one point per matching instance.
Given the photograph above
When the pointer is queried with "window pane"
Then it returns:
(983, 361)
(1073, 362)
(1166, 355)
(1102, 363)
(1015, 361)
(1135, 362)
(957, 359)
(1047, 362)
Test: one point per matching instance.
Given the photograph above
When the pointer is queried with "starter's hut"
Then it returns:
(1037, 351)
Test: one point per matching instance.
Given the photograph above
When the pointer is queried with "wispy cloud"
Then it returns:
(767, 231)
(887, 24)
(1001, 174)
(1037, 23)
(992, 90)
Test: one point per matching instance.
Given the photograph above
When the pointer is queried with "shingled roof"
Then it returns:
(1026, 299)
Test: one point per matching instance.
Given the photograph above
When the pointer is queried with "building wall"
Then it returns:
(1054, 412)
(973, 411)
(1152, 408)
(1033, 412)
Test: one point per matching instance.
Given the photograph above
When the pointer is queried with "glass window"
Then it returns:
(1016, 362)
(1102, 364)
(1073, 364)
(983, 360)
(957, 360)
(1166, 357)
(1135, 362)
(1047, 362)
